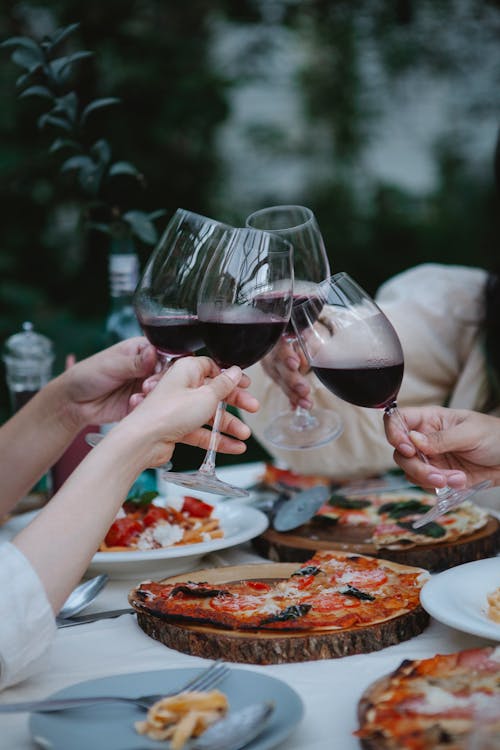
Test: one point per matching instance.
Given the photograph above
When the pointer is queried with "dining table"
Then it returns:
(328, 688)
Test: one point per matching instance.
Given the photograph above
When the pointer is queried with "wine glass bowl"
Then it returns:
(299, 428)
(165, 300)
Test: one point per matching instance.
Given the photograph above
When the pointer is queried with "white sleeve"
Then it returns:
(27, 623)
(437, 312)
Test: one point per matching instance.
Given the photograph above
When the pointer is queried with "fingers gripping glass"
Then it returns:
(244, 305)
(299, 428)
(354, 350)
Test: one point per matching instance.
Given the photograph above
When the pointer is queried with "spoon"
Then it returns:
(237, 730)
(82, 595)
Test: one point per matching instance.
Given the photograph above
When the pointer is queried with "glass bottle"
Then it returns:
(122, 322)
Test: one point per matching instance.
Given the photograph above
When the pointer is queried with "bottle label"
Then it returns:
(123, 273)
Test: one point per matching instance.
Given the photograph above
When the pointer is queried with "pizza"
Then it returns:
(143, 524)
(387, 516)
(331, 591)
(390, 517)
(433, 704)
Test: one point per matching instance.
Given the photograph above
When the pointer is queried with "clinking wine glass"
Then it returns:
(165, 300)
(244, 305)
(299, 428)
(355, 352)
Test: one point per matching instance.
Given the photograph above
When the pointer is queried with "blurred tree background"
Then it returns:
(380, 116)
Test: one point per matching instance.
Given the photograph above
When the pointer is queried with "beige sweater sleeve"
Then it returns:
(437, 312)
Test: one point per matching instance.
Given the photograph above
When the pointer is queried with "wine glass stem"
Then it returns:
(208, 465)
(393, 411)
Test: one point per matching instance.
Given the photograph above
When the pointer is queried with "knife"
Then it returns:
(67, 622)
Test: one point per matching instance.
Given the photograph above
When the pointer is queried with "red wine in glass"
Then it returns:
(373, 386)
(173, 335)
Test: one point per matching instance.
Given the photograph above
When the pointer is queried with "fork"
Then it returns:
(209, 678)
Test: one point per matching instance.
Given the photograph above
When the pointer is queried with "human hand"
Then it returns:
(463, 446)
(287, 366)
(185, 398)
(97, 389)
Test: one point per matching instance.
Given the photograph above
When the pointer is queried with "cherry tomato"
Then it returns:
(196, 507)
(122, 531)
(154, 514)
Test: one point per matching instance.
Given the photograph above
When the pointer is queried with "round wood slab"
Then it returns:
(268, 647)
(299, 545)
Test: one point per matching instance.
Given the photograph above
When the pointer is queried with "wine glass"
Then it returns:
(355, 352)
(244, 306)
(166, 297)
(165, 300)
(299, 428)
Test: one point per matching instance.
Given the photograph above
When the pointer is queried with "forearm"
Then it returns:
(32, 440)
(62, 539)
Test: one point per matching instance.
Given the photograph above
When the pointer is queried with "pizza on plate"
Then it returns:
(434, 704)
(331, 591)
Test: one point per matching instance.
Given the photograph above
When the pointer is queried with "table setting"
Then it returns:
(317, 700)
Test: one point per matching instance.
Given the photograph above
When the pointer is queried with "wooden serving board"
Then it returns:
(299, 545)
(267, 647)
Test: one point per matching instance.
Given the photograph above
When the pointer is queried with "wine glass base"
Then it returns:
(290, 433)
(447, 502)
(200, 480)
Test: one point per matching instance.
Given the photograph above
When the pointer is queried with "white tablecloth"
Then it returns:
(330, 689)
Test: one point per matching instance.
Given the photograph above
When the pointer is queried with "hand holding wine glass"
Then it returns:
(244, 305)
(356, 353)
(301, 427)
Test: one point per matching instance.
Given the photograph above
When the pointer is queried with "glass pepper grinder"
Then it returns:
(28, 358)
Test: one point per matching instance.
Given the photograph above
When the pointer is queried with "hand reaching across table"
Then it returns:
(463, 446)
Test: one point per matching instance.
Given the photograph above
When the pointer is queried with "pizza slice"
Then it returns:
(433, 703)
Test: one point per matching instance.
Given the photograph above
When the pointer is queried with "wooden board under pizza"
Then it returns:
(382, 525)
(335, 605)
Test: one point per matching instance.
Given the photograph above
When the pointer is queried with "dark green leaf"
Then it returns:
(42, 91)
(404, 508)
(62, 34)
(432, 529)
(77, 162)
(97, 104)
(58, 122)
(27, 58)
(145, 498)
(154, 215)
(307, 570)
(357, 594)
(289, 613)
(324, 519)
(21, 41)
(99, 226)
(68, 105)
(348, 503)
(141, 226)
(123, 167)
(102, 151)
(23, 80)
(61, 143)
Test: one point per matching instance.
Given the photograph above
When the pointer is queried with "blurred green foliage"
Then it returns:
(351, 66)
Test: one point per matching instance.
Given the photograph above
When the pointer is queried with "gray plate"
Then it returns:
(111, 727)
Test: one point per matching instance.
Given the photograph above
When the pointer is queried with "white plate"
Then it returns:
(111, 727)
(239, 523)
(457, 597)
